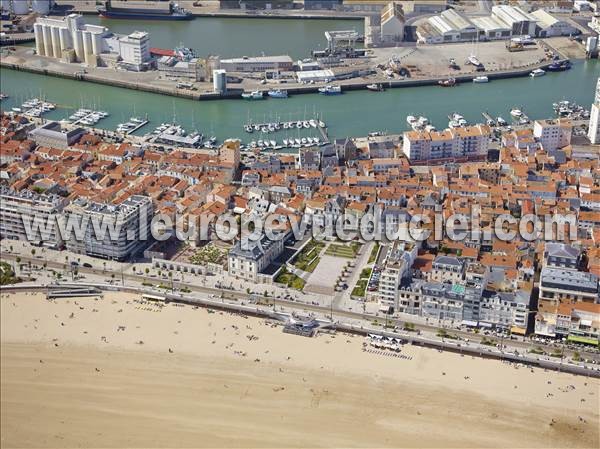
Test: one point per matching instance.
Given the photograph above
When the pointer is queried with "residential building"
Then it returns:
(115, 232)
(594, 126)
(30, 211)
(579, 322)
(553, 134)
(248, 259)
(443, 301)
(468, 143)
(509, 310)
(561, 255)
(51, 135)
(447, 269)
(559, 286)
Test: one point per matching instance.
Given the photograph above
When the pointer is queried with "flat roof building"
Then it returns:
(52, 135)
(258, 64)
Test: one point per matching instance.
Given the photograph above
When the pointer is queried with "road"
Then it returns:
(357, 318)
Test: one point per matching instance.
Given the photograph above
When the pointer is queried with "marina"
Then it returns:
(345, 115)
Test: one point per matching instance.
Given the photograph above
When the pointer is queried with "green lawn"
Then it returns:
(360, 288)
(337, 250)
(290, 279)
(373, 255)
(308, 259)
(361, 284)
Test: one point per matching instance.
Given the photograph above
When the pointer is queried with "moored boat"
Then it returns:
(450, 82)
(537, 73)
(254, 95)
(277, 93)
(330, 90)
(481, 79)
(375, 87)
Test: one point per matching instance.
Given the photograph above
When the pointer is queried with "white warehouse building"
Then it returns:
(548, 25)
(520, 22)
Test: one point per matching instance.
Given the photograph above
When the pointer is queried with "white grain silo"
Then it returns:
(41, 7)
(65, 42)
(38, 30)
(87, 43)
(20, 7)
(220, 81)
(78, 44)
(48, 41)
(56, 49)
(96, 43)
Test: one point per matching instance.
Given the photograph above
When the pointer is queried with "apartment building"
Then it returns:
(28, 210)
(247, 260)
(447, 269)
(561, 255)
(114, 232)
(579, 322)
(562, 286)
(553, 134)
(505, 309)
(463, 144)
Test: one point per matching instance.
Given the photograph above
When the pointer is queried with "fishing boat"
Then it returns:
(254, 95)
(537, 72)
(375, 87)
(277, 93)
(411, 120)
(559, 66)
(501, 121)
(450, 82)
(481, 79)
(330, 90)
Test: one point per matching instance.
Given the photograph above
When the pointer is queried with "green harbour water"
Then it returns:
(233, 37)
(351, 114)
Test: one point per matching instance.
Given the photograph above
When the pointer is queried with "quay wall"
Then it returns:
(347, 85)
(360, 330)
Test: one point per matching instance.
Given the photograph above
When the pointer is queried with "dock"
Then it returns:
(140, 126)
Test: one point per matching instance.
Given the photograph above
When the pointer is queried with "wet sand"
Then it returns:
(70, 378)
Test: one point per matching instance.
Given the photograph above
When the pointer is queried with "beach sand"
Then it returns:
(71, 378)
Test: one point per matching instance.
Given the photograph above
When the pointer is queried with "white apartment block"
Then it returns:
(126, 226)
(594, 127)
(39, 211)
(468, 143)
(553, 134)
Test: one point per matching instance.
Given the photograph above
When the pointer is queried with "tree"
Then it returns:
(147, 270)
(18, 259)
(33, 252)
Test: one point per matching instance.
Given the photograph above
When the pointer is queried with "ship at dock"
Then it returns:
(140, 10)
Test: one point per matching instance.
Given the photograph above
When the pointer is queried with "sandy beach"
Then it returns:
(117, 373)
